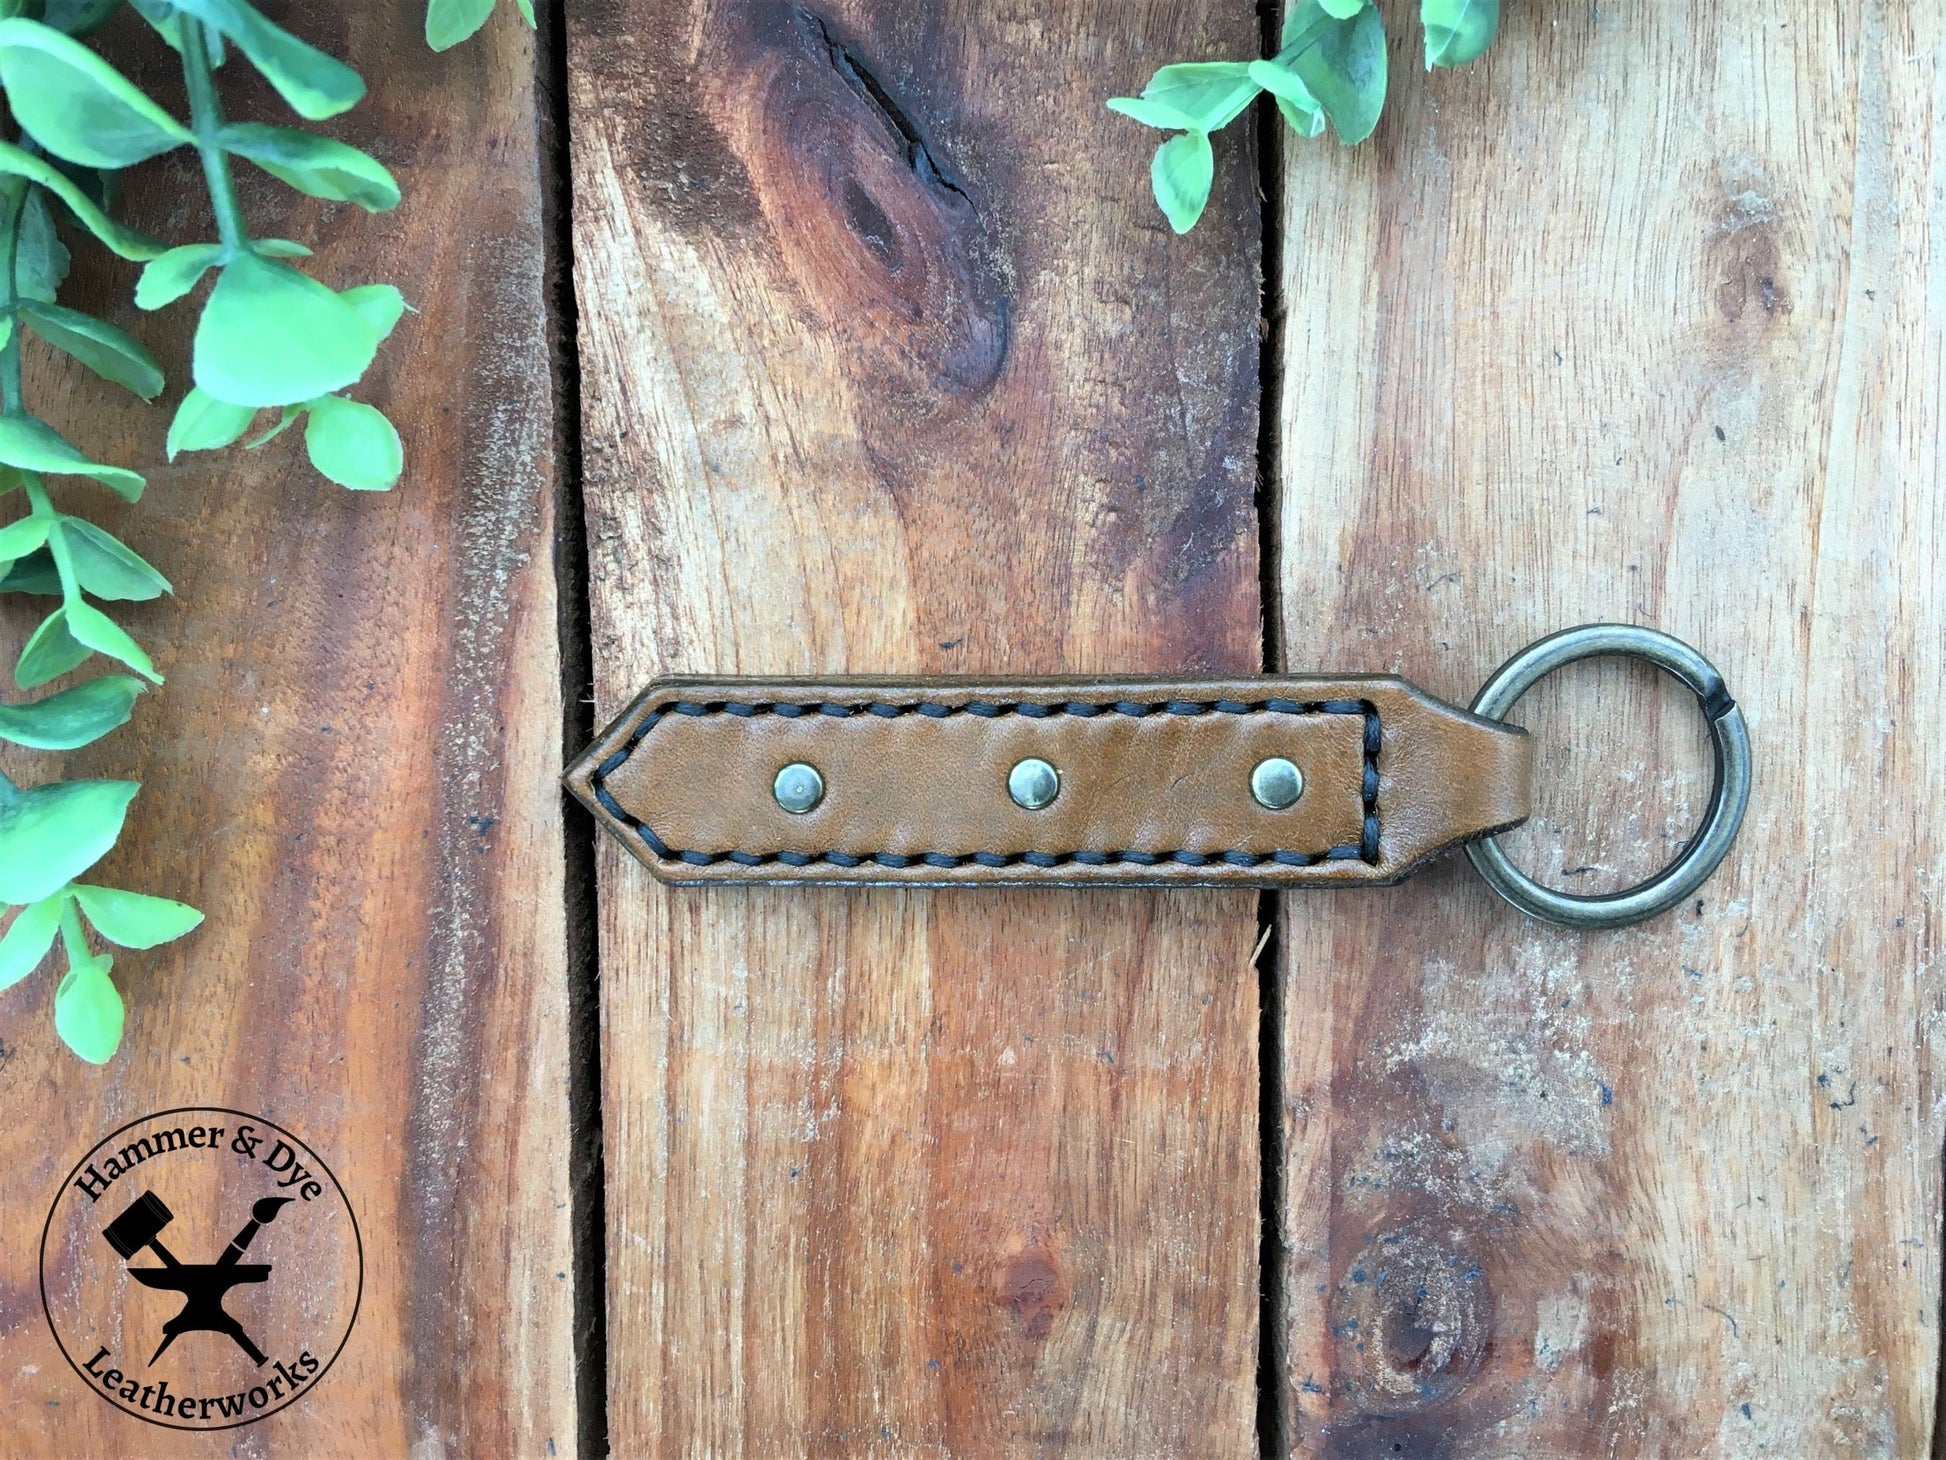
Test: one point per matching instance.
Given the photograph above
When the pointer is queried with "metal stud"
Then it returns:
(1276, 783)
(798, 787)
(1033, 784)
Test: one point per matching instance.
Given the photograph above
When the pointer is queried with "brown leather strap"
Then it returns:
(1155, 780)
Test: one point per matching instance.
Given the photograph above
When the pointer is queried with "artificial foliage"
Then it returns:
(1330, 67)
(448, 22)
(269, 337)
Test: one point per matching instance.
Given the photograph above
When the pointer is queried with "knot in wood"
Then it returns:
(1411, 1319)
(876, 228)
(1032, 1288)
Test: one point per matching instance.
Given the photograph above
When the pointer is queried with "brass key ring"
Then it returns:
(1729, 796)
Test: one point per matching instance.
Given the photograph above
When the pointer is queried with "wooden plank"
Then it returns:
(352, 770)
(889, 365)
(1637, 320)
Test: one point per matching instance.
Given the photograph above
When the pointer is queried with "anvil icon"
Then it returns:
(203, 1285)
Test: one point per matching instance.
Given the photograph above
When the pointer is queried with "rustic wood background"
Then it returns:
(883, 368)
(1637, 321)
(763, 338)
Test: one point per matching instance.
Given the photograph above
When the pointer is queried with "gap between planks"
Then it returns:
(587, 1177)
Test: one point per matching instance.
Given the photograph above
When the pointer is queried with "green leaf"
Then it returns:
(173, 274)
(111, 353)
(270, 336)
(379, 305)
(165, 22)
(526, 9)
(315, 85)
(51, 834)
(90, 626)
(40, 258)
(50, 652)
(124, 241)
(1345, 70)
(1341, 9)
(1181, 174)
(163, 19)
(34, 445)
(134, 919)
(1209, 93)
(319, 166)
(1299, 18)
(108, 567)
(34, 573)
(353, 444)
(1458, 31)
(75, 104)
(1151, 113)
(1305, 124)
(29, 937)
(17, 539)
(79, 17)
(448, 22)
(88, 1013)
(71, 718)
(279, 248)
(203, 423)
(1294, 98)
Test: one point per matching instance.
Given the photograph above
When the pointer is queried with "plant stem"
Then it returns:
(16, 195)
(206, 121)
(57, 541)
(72, 935)
(11, 398)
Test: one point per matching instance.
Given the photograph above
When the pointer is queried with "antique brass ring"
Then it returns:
(1729, 796)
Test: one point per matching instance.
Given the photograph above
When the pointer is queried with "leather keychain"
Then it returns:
(1268, 781)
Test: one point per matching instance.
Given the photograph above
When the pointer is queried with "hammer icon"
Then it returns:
(203, 1284)
(141, 1226)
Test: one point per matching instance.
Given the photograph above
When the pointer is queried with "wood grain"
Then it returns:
(1637, 320)
(352, 770)
(890, 365)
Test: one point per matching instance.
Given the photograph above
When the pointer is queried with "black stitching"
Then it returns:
(1366, 851)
